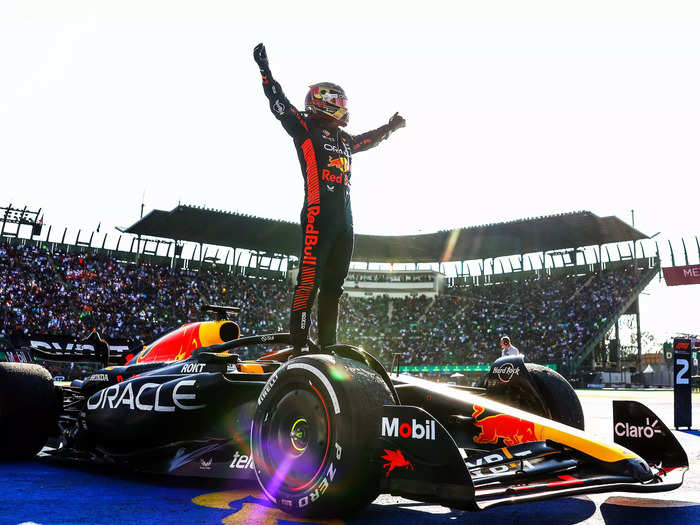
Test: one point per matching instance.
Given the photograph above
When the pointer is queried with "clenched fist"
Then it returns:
(260, 56)
(396, 122)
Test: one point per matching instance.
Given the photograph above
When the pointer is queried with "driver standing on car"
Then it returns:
(325, 155)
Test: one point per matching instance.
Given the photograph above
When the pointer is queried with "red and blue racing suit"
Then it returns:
(325, 155)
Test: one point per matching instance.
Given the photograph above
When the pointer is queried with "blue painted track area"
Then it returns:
(46, 493)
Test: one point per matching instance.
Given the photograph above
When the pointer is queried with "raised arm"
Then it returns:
(281, 108)
(370, 139)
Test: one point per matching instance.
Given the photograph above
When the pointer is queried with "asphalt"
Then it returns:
(44, 493)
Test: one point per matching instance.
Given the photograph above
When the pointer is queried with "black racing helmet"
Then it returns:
(326, 98)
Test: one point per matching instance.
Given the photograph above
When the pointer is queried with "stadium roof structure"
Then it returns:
(539, 234)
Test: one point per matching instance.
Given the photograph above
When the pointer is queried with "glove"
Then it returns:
(260, 56)
(396, 122)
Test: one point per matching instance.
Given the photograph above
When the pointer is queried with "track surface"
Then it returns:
(43, 493)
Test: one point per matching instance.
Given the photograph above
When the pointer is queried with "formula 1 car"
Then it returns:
(325, 433)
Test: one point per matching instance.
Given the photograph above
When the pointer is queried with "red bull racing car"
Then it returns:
(324, 434)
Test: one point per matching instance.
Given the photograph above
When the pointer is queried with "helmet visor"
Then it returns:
(329, 96)
(337, 100)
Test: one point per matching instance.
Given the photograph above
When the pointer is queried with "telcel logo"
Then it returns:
(414, 430)
(240, 461)
(637, 431)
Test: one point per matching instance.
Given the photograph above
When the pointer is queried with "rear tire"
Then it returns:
(558, 395)
(315, 435)
(28, 410)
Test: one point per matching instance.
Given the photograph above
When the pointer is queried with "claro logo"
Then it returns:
(637, 431)
(413, 430)
(123, 394)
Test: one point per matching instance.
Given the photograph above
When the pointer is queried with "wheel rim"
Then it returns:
(300, 435)
(295, 438)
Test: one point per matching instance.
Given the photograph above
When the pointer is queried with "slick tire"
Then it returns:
(558, 395)
(315, 436)
(28, 411)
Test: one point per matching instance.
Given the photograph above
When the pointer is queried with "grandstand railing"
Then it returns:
(154, 251)
(579, 357)
(189, 255)
(149, 258)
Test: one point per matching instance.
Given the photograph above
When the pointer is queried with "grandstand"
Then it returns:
(557, 285)
(281, 239)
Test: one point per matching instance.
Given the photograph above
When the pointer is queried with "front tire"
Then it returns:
(558, 395)
(315, 435)
(28, 411)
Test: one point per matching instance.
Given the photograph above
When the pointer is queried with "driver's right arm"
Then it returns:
(292, 121)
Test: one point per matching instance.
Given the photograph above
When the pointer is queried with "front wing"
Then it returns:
(420, 460)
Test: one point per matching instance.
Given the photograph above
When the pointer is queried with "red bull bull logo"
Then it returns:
(512, 430)
(342, 163)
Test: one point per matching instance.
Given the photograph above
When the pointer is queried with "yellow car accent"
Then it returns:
(602, 451)
(209, 332)
(543, 428)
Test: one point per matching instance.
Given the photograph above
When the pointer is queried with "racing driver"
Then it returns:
(325, 152)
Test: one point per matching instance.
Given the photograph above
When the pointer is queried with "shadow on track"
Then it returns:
(642, 511)
(50, 494)
(46, 493)
(247, 506)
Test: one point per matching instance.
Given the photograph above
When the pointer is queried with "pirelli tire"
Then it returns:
(28, 410)
(558, 394)
(315, 436)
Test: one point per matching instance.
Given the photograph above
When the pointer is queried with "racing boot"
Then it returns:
(327, 318)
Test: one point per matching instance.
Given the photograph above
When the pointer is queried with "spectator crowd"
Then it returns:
(548, 318)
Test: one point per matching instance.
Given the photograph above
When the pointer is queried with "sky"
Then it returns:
(514, 109)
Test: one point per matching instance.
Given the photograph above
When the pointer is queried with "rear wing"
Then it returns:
(90, 349)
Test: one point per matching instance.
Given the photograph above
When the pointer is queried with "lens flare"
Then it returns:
(279, 476)
(339, 374)
(450, 245)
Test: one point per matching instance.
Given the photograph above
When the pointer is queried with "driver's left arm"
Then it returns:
(370, 139)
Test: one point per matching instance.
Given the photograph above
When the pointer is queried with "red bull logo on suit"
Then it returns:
(342, 163)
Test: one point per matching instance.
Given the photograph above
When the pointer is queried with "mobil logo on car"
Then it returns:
(393, 427)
